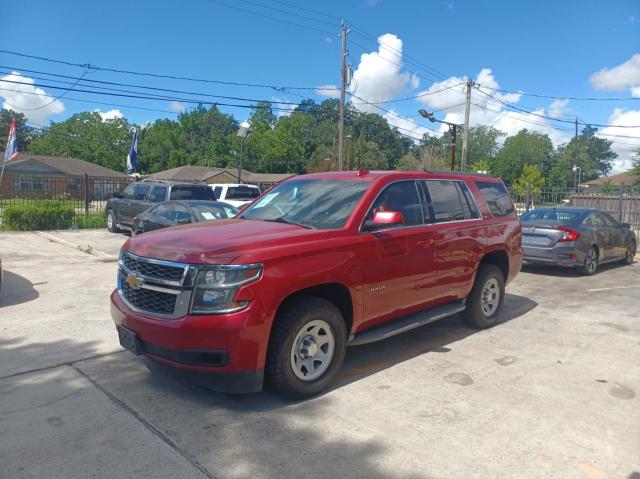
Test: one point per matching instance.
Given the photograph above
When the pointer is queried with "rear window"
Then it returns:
(242, 193)
(192, 192)
(497, 197)
(561, 217)
(449, 201)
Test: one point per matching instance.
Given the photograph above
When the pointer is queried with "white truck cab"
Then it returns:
(235, 194)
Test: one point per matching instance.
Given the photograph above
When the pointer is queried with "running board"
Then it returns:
(407, 323)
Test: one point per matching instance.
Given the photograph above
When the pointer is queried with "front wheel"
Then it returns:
(631, 252)
(112, 222)
(590, 265)
(486, 297)
(307, 347)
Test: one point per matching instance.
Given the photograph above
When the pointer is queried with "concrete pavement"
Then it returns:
(553, 391)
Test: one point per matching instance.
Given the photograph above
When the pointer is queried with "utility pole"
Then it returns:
(575, 154)
(453, 129)
(343, 84)
(465, 133)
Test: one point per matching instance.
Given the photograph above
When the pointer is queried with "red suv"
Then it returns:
(318, 263)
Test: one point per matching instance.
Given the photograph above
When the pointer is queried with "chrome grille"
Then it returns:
(159, 288)
(152, 269)
(150, 300)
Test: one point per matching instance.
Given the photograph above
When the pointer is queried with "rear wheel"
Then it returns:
(307, 347)
(590, 265)
(486, 297)
(631, 252)
(112, 222)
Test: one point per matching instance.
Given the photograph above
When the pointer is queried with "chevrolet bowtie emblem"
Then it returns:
(134, 281)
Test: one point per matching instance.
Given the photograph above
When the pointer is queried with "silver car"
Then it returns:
(578, 237)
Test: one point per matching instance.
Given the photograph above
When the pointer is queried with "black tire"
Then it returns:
(590, 265)
(112, 222)
(477, 312)
(631, 252)
(288, 324)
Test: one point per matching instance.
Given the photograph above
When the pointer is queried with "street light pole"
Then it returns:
(243, 132)
(453, 128)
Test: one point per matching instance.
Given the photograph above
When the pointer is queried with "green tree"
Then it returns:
(481, 165)
(524, 148)
(162, 145)
(635, 166)
(86, 136)
(409, 162)
(531, 179)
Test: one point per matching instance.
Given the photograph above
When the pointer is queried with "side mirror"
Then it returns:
(385, 219)
(626, 225)
(183, 221)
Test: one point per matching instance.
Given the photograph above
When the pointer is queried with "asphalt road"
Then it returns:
(551, 392)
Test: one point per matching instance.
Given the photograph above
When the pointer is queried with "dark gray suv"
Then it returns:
(142, 195)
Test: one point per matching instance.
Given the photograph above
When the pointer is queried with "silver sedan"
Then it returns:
(578, 237)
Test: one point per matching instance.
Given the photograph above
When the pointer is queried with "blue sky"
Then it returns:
(545, 47)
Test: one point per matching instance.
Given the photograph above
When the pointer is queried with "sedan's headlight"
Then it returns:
(216, 287)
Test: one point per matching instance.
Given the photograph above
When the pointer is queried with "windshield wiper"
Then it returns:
(289, 222)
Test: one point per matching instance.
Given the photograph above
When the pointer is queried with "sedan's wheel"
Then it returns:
(590, 265)
(631, 252)
(486, 297)
(306, 348)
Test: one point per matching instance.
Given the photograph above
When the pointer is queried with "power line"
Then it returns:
(159, 75)
(523, 110)
(305, 9)
(252, 12)
(551, 97)
(286, 12)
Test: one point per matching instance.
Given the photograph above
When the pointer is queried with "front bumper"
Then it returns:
(562, 255)
(223, 352)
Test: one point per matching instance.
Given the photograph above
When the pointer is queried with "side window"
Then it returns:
(594, 220)
(179, 212)
(217, 191)
(162, 211)
(608, 220)
(140, 192)
(497, 198)
(127, 194)
(403, 197)
(448, 201)
(471, 202)
(158, 194)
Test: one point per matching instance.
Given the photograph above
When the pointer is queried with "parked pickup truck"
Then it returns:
(142, 195)
(236, 195)
(320, 262)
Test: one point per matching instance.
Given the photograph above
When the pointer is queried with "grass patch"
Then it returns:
(91, 220)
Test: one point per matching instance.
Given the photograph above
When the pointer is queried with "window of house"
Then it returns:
(28, 183)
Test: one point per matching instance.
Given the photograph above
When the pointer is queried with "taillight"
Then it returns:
(568, 234)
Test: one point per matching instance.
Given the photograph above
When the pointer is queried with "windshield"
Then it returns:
(242, 193)
(192, 192)
(560, 217)
(213, 212)
(321, 204)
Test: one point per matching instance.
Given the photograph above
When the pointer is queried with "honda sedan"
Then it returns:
(578, 237)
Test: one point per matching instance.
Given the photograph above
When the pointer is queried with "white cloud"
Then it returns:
(450, 95)
(330, 91)
(34, 102)
(619, 77)
(635, 91)
(281, 106)
(328, 40)
(177, 106)
(109, 115)
(624, 147)
(379, 76)
(557, 108)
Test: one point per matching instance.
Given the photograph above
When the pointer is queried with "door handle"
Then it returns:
(425, 243)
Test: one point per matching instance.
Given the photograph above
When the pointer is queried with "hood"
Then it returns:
(221, 241)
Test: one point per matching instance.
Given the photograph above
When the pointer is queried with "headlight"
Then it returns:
(216, 288)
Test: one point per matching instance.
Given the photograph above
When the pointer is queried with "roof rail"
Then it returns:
(449, 172)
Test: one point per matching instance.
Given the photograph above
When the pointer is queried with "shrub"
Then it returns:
(91, 220)
(38, 215)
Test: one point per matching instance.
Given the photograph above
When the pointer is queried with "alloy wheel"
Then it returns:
(312, 350)
(490, 299)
